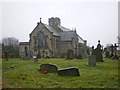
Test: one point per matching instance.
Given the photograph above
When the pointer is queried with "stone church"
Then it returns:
(53, 41)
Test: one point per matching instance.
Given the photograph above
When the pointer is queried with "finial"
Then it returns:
(98, 41)
(40, 19)
(75, 30)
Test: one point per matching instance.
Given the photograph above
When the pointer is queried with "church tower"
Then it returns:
(54, 21)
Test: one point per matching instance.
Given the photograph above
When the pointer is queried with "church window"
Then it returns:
(42, 40)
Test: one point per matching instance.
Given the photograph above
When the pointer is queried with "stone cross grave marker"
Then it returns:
(98, 53)
(115, 52)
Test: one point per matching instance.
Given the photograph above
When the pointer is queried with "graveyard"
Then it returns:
(18, 73)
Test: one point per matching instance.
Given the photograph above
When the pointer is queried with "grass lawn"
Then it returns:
(26, 75)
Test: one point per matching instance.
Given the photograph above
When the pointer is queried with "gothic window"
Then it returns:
(42, 40)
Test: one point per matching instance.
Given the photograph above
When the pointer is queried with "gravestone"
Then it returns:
(98, 53)
(27, 56)
(84, 51)
(6, 55)
(72, 71)
(111, 55)
(93, 52)
(50, 68)
(70, 54)
(92, 60)
(35, 57)
(107, 54)
(115, 52)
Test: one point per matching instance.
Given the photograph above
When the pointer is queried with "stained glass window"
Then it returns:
(42, 40)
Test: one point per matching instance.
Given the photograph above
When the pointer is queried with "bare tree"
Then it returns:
(10, 45)
(10, 41)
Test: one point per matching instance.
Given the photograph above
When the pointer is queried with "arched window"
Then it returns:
(42, 40)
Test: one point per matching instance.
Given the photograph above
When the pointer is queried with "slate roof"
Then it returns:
(67, 35)
(63, 28)
(51, 29)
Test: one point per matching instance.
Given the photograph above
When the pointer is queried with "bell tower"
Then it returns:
(54, 21)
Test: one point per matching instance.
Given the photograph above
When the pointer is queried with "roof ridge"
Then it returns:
(51, 29)
(64, 28)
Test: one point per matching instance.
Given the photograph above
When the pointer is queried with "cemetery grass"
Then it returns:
(25, 74)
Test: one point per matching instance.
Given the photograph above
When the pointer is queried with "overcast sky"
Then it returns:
(93, 20)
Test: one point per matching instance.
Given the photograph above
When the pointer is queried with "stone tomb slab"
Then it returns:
(92, 60)
(71, 71)
(50, 68)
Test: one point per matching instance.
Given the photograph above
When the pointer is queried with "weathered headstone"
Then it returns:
(70, 54)
(111, 55)
(115, 52)
(6, 55)
(107, 54)
(98, 53)
(93, 52)
(50, 68)
(84, 51)
(26, 54)
(92, 60)
(27, 57)
(72, 71)
(35, 57)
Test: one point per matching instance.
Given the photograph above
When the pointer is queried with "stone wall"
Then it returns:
(22, 50)
(51, 41)
(64, 47)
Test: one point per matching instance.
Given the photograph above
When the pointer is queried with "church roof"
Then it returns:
(67, 35)
(80, 40)
(63, 28)
(51, 29)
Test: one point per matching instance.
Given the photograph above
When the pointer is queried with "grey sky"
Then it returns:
(93, 20)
